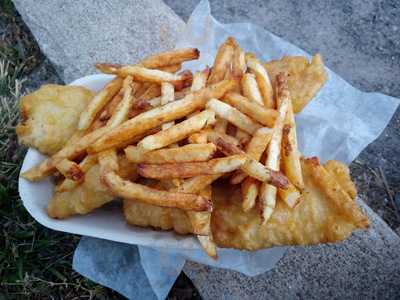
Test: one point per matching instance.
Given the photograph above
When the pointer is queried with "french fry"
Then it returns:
(70, 169)
(249, 190)
(108, 68)
(242, 136)
(252, 167)
(262, 79)
(250, 88)
(222, 61)
(259, 113)
(198, 138)
(122, 110)
(268, 192)
(220, 125)
(191, 169)
(98, 102)
(255, 148)
(208, 245)
(138, 192)
(172, 57)
(150, 119)
(108, 161)
(177, 132)
(238, 64)
(167, 95)
(149, 92)
(200, 80)
(290, 195)
(187, 153)
(69, 184)
(107, 112)
(291, 165)
(233, 115)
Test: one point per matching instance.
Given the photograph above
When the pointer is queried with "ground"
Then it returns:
(35, 262)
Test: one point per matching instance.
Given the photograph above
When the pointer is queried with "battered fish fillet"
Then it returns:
(327, 213)
(89, 195)
(49, 116)
(305, 78)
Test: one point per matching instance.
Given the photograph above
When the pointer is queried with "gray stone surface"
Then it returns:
(366, 266)
(359, 40)
(76, 34)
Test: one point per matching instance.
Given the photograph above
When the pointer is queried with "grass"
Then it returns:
(35, 262)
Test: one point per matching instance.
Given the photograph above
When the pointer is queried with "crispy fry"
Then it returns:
(69, 184)
(108, 68)
(290, 153)
(200, 80)
(157, 116)
(264, 116)
(250, 88)
(108, 161)
(239, 63)
(198, 138)
(152, 75)
(222, 61)
(208, 245)
(122, 110)
(255, 148)
(249, 189)
(185, 170)
(187, 153)
(242, 136)
(220, 125)
(172, 57)
(138, 192)
(268, 192)
(70, 169)
(167, 93)
(98, 102)
(177, 132)
(290, 195)
(263, 81)
(233, 115)
(149, 92)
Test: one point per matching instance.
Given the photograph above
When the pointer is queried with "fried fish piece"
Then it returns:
(49, 116)
(89, 195)
(305, 78)
(326, 214)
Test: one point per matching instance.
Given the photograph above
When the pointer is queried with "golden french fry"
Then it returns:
(138, 192)
(152, 75)
(239, 63)
(98, 102)
(208, 245)
(213, 136)
(222, 61)
(290, 153)
(70, 169)
(198, 138)
(255, 148)
(233, 115)
(290, 195)
(330, 187)
(250, 88)
(242, 136)
(147, 92)
(199, 80)
(259, 113)
(220, 125)
(107, 112)
(196, 184)
(168, 58)
(177, 132)
(150, 119)
(69, 184)
(185, 170)
(268, 192)
(108, 68)
(121, 112)
(187, 153)
(262, 79)
(249, 189)
(108, 161)
(342, 175)
(167, 93)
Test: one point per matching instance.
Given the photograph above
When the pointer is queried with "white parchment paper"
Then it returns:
(338, 124)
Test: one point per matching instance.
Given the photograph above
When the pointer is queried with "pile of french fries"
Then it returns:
(186, 131)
